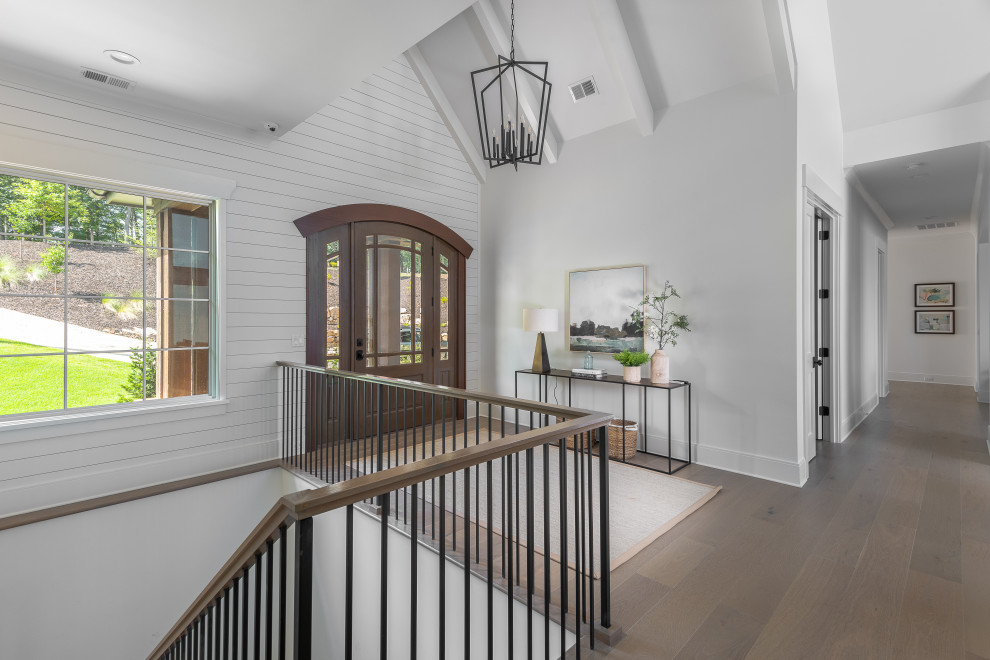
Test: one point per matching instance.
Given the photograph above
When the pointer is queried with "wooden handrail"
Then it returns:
(308, 503)
(451, 392)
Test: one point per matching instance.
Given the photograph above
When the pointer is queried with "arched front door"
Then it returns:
(385, 293)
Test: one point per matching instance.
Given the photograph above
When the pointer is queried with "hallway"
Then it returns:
(885, 553)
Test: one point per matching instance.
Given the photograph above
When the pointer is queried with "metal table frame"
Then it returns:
(543, 395)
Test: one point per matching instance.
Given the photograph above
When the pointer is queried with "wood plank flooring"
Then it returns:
(885, 553)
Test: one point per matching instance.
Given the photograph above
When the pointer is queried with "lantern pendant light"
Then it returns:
(506, 135)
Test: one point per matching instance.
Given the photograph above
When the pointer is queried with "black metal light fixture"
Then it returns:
(505, 137)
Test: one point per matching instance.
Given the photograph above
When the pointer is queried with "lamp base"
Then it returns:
(541, 361)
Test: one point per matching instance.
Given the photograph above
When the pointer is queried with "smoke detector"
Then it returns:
(583, 89)
(102, 78)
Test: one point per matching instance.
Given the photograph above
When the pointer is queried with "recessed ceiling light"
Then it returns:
(121, 57)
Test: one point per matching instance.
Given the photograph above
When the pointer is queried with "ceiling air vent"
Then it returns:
(936, 225)
(583, 89)
(106, 79)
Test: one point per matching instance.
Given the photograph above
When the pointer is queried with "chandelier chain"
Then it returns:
(512, 30)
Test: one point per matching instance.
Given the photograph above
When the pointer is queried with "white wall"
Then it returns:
(109, 583)
(381, 142)
(707, 202)
(936, 258)
(862, 236)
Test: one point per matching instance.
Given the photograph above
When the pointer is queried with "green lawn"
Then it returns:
(34, 384)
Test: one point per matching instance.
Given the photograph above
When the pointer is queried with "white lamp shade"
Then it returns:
(540, 320)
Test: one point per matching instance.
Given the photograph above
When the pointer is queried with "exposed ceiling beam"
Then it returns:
(499, 41)
(618, 49)
(781, 44)
(461, 136)
(870, 201)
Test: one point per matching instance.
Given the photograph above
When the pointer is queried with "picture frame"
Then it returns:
(942, 322)
(941, 294)
(599, 307)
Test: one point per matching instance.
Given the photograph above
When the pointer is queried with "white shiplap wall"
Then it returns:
(381, 142)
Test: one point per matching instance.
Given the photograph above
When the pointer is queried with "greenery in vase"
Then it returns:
(629, 358)
(662, 325)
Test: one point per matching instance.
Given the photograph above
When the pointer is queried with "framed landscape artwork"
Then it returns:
(935, 323)
(935, 295)
(600, 303)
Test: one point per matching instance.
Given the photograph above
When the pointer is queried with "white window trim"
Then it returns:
(215, 404)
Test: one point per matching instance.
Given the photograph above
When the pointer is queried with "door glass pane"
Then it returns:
(395, 302)
(394, 241)
(444, 307)
(333, 305)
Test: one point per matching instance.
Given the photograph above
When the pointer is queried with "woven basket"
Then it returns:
(617, 448)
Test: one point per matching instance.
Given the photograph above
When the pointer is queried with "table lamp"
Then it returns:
(540, 320)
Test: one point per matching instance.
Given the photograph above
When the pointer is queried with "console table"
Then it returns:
(543, 387)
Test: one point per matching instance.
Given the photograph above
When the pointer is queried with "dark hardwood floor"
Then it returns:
(885, 553)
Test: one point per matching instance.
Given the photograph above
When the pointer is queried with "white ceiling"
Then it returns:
(900, 58)
(221, 63)
(932, 187)
(683, 50)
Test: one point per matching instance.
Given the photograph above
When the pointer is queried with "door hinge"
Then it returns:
(823, 352)
(823, 411)
(823, 235)
(823, 293)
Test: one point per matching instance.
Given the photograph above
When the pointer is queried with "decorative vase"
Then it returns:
(632, 374)
(659, 367)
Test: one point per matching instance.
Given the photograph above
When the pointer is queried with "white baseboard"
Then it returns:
(850, 423)
(932, 378)
(791, 473)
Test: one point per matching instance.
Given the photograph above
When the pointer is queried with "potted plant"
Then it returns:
(631, 362)
(663, 326)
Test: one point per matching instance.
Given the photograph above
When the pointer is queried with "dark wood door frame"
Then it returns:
(311, 225)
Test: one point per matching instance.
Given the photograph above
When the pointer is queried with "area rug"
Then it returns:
(643, 504)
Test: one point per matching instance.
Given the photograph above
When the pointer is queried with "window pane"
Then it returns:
(181, 225)
(333, 306)
(105, 216)
(182, 373)
(31, 384)
(31, 208)
(29, 266)
(178, 274)
(184, 324)
(31, 324)
(99, 379)
(107, 324)
(104, 271)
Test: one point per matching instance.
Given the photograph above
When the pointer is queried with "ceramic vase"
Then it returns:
(632, 374)
(659, 367)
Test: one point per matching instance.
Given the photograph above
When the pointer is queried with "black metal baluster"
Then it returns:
(510, 634)
(269, 581)
(413, 567)
(443, 566)
(257, 605)
(579, 566)
(591, 541)
(584, 585)
(235, 619)
(245, 588)
(383, 582)
(303, 634)
(212, 644)
(467, 555)
(283, 549)
(285, 412)
(226, 623)
(504, 492)
(546, 552)
(453, 442)
(349, 585)
(433, 482)
(605, 583)
(491, 567)
(563, 544)
(530, 557)
(477, 484)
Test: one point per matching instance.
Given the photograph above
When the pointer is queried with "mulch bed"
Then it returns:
(94, 270)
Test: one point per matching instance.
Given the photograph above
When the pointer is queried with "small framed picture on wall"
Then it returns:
(935, 295)
(942, 322)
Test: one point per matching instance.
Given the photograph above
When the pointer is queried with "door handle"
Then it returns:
(359, 355)
(817, 362)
